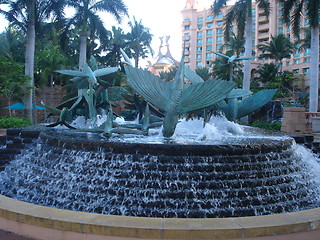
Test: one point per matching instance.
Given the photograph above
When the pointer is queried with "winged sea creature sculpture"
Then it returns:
(231, 61)
(176, 97)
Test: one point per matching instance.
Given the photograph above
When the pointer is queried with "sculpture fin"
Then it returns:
(205, 94)
(105, 71)
(256, 101)
(126, 58)
(237, 93)
(222, 105)
(150, 87)
(54, 111)
(72, 73)
(192, 76)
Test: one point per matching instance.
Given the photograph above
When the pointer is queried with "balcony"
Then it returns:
(186, 38)
(186, 23)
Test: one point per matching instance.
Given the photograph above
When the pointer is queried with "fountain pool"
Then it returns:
(229, 174)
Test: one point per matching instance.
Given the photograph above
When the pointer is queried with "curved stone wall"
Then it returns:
(54, 224)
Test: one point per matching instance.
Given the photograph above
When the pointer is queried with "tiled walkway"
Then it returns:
(10, 236)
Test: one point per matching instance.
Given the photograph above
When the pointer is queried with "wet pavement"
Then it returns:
(10, 236)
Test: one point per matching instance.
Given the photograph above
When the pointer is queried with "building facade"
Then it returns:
(202, 32)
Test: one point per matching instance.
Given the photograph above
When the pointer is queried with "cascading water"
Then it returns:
(221, 170)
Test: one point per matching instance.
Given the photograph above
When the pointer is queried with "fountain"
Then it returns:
(237, 182)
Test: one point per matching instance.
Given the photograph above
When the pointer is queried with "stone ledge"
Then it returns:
(158, 228)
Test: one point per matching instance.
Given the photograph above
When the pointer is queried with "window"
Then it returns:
(209, 56)
(199, 49)
(220, 16)
(210, 18)
(199, 34)
(199, 57)
(209, 25)
(219, 31)
(200, 26)
(296, 61)
(209, 40)
(219, 39)
(296, 54)
(199, 42)
(280, 22)
(199, 64)
(253, 12)
(209, 33)
(295, 71)
(200, 20)
(187, 42)
(186, 34)
(187, 20)
(307, 52)
(288, 29)
(306, 22)
(187, 27)
(209, 48)
(306, 71)
(219, 23)
(307, 60)
(280, 30)
(218, 47)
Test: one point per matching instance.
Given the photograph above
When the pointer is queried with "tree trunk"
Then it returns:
(314, 70)
(44, 100)
(29, 68)
(83, 50)
(247, 52)
(51, 94)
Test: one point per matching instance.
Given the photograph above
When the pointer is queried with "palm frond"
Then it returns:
(218, 5)
(117, 8)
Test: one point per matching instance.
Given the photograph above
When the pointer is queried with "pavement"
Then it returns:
(10, 236)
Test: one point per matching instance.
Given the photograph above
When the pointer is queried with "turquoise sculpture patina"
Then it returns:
(235, 109)
(94, 95)
(177, 97)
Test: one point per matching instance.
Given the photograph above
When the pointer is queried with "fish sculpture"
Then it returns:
(177, 97)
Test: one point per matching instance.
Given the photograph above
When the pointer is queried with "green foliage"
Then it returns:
(11, 78)
(270, 126)
(204, 73)
(13, 122)
(169, 75)
(278, 48)
(269, 78)
(139, 40)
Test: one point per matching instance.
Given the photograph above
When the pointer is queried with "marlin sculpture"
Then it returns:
(177, 97)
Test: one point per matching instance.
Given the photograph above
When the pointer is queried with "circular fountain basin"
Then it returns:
(55, 224)
(166, 190)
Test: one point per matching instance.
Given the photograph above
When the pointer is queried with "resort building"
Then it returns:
(202, 33)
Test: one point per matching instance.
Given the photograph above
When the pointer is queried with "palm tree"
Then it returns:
(12, 44)
(139, 40)
(235, 44)
(27, 14)
(293, 10)
(221, 69)
(241, 13)
(267, 73)
(86, 18)
(278, 48)
(117, 41)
